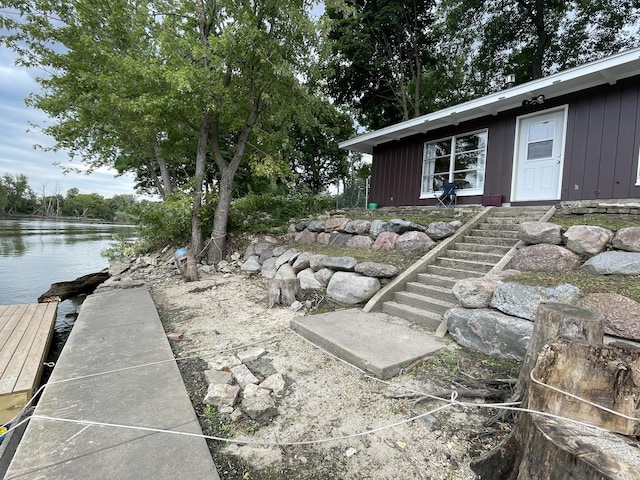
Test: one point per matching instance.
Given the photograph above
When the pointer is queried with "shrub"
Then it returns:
(166, 222)
(270, 213)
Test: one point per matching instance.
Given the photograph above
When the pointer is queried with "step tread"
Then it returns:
(435, 301)
(422, 317)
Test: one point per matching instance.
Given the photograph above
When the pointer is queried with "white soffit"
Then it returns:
(606, 70)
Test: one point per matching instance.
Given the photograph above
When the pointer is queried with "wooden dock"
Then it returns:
(25, 336)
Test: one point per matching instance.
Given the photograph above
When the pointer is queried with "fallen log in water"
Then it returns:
(84, 285)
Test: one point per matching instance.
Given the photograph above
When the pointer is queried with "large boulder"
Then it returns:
(306, 236)
(440, 230)
(251, 265)
(627, 239)
(287, 257)
(335, 224)
(475, 292)
(269, 268)
(301, 262)
(316, 226)
(357, 227)
(414, 243)
(352, 288)
(490, 332)
(533, 233)
(338, 239)
(614, 263)
(316, 260)
(377, 227)
(587, 239)
(545, 258)
(401, 226)
(323, 238)
(385, 241)
(378, 270)
(257, 247)
(360, 241)
(308, 280)
(324, 275)
(620, 313)
(345, 264)
(522, 301)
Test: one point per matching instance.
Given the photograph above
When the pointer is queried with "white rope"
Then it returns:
(247, 442)
(124, 369)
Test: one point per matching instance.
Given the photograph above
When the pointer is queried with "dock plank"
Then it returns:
(25, 336)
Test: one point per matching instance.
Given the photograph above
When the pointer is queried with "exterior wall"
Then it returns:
(601, 150)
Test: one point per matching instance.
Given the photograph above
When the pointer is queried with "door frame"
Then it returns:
(516, 148)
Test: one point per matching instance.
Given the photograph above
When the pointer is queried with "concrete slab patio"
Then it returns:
(116, 368)
(375, 342)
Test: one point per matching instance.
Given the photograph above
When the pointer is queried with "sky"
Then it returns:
(17, 140)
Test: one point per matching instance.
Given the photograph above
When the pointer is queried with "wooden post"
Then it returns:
(541, 447)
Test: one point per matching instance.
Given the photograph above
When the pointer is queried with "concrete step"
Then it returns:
(433, 291)
(422, 302)
(486, 240)
(436, 280)
(376, 342)
(452, 272)
(501, 227)
(510, 220)
(484, 257)
(429, 320)
(460, 264)
(532, 212)
(494, 233)
(480, 248)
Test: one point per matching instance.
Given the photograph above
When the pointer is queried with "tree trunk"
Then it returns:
(201, 164)
(552, 321)
(555, 320)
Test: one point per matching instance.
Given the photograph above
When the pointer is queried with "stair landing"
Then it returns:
(375, 342)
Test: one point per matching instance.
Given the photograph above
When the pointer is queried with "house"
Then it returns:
(571, 136)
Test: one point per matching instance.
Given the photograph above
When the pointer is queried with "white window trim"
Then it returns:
(638, 173)
(465, 192)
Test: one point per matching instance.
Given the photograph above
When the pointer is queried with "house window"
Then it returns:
(460, 159)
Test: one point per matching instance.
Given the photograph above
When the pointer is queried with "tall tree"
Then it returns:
(378, 52)
(532, 38)
(128, 77)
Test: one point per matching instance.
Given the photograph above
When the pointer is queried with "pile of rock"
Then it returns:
(496, 317)
(343, 278)
(549, 250)
(245, 384)
(408, 238)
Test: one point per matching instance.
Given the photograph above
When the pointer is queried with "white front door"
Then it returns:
(539, 156)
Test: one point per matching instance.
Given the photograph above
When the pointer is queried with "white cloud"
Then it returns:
(18, 137)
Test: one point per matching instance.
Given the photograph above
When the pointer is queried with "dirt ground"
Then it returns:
(358, 427)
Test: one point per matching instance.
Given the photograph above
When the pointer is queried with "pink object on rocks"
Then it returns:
(175, 336)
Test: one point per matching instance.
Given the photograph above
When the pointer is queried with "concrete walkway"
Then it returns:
(115, 330)
(375, 342)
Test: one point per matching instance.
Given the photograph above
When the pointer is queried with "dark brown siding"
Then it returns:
(601, 151)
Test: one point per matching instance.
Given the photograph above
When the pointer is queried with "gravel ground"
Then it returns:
(357, 427)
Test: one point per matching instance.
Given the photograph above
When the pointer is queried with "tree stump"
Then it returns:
(188, 266)
(285, 287)
(541, 447)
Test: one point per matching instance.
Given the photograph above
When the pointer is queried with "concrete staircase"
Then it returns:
(425, 299)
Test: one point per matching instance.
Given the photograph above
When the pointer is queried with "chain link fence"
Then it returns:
(353, 193)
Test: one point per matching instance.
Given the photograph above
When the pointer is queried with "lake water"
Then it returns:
(34, 253)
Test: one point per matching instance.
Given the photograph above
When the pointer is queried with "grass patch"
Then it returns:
(613, 222)
(627, 285)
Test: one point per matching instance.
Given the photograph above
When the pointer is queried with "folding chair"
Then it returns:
(448, 197)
